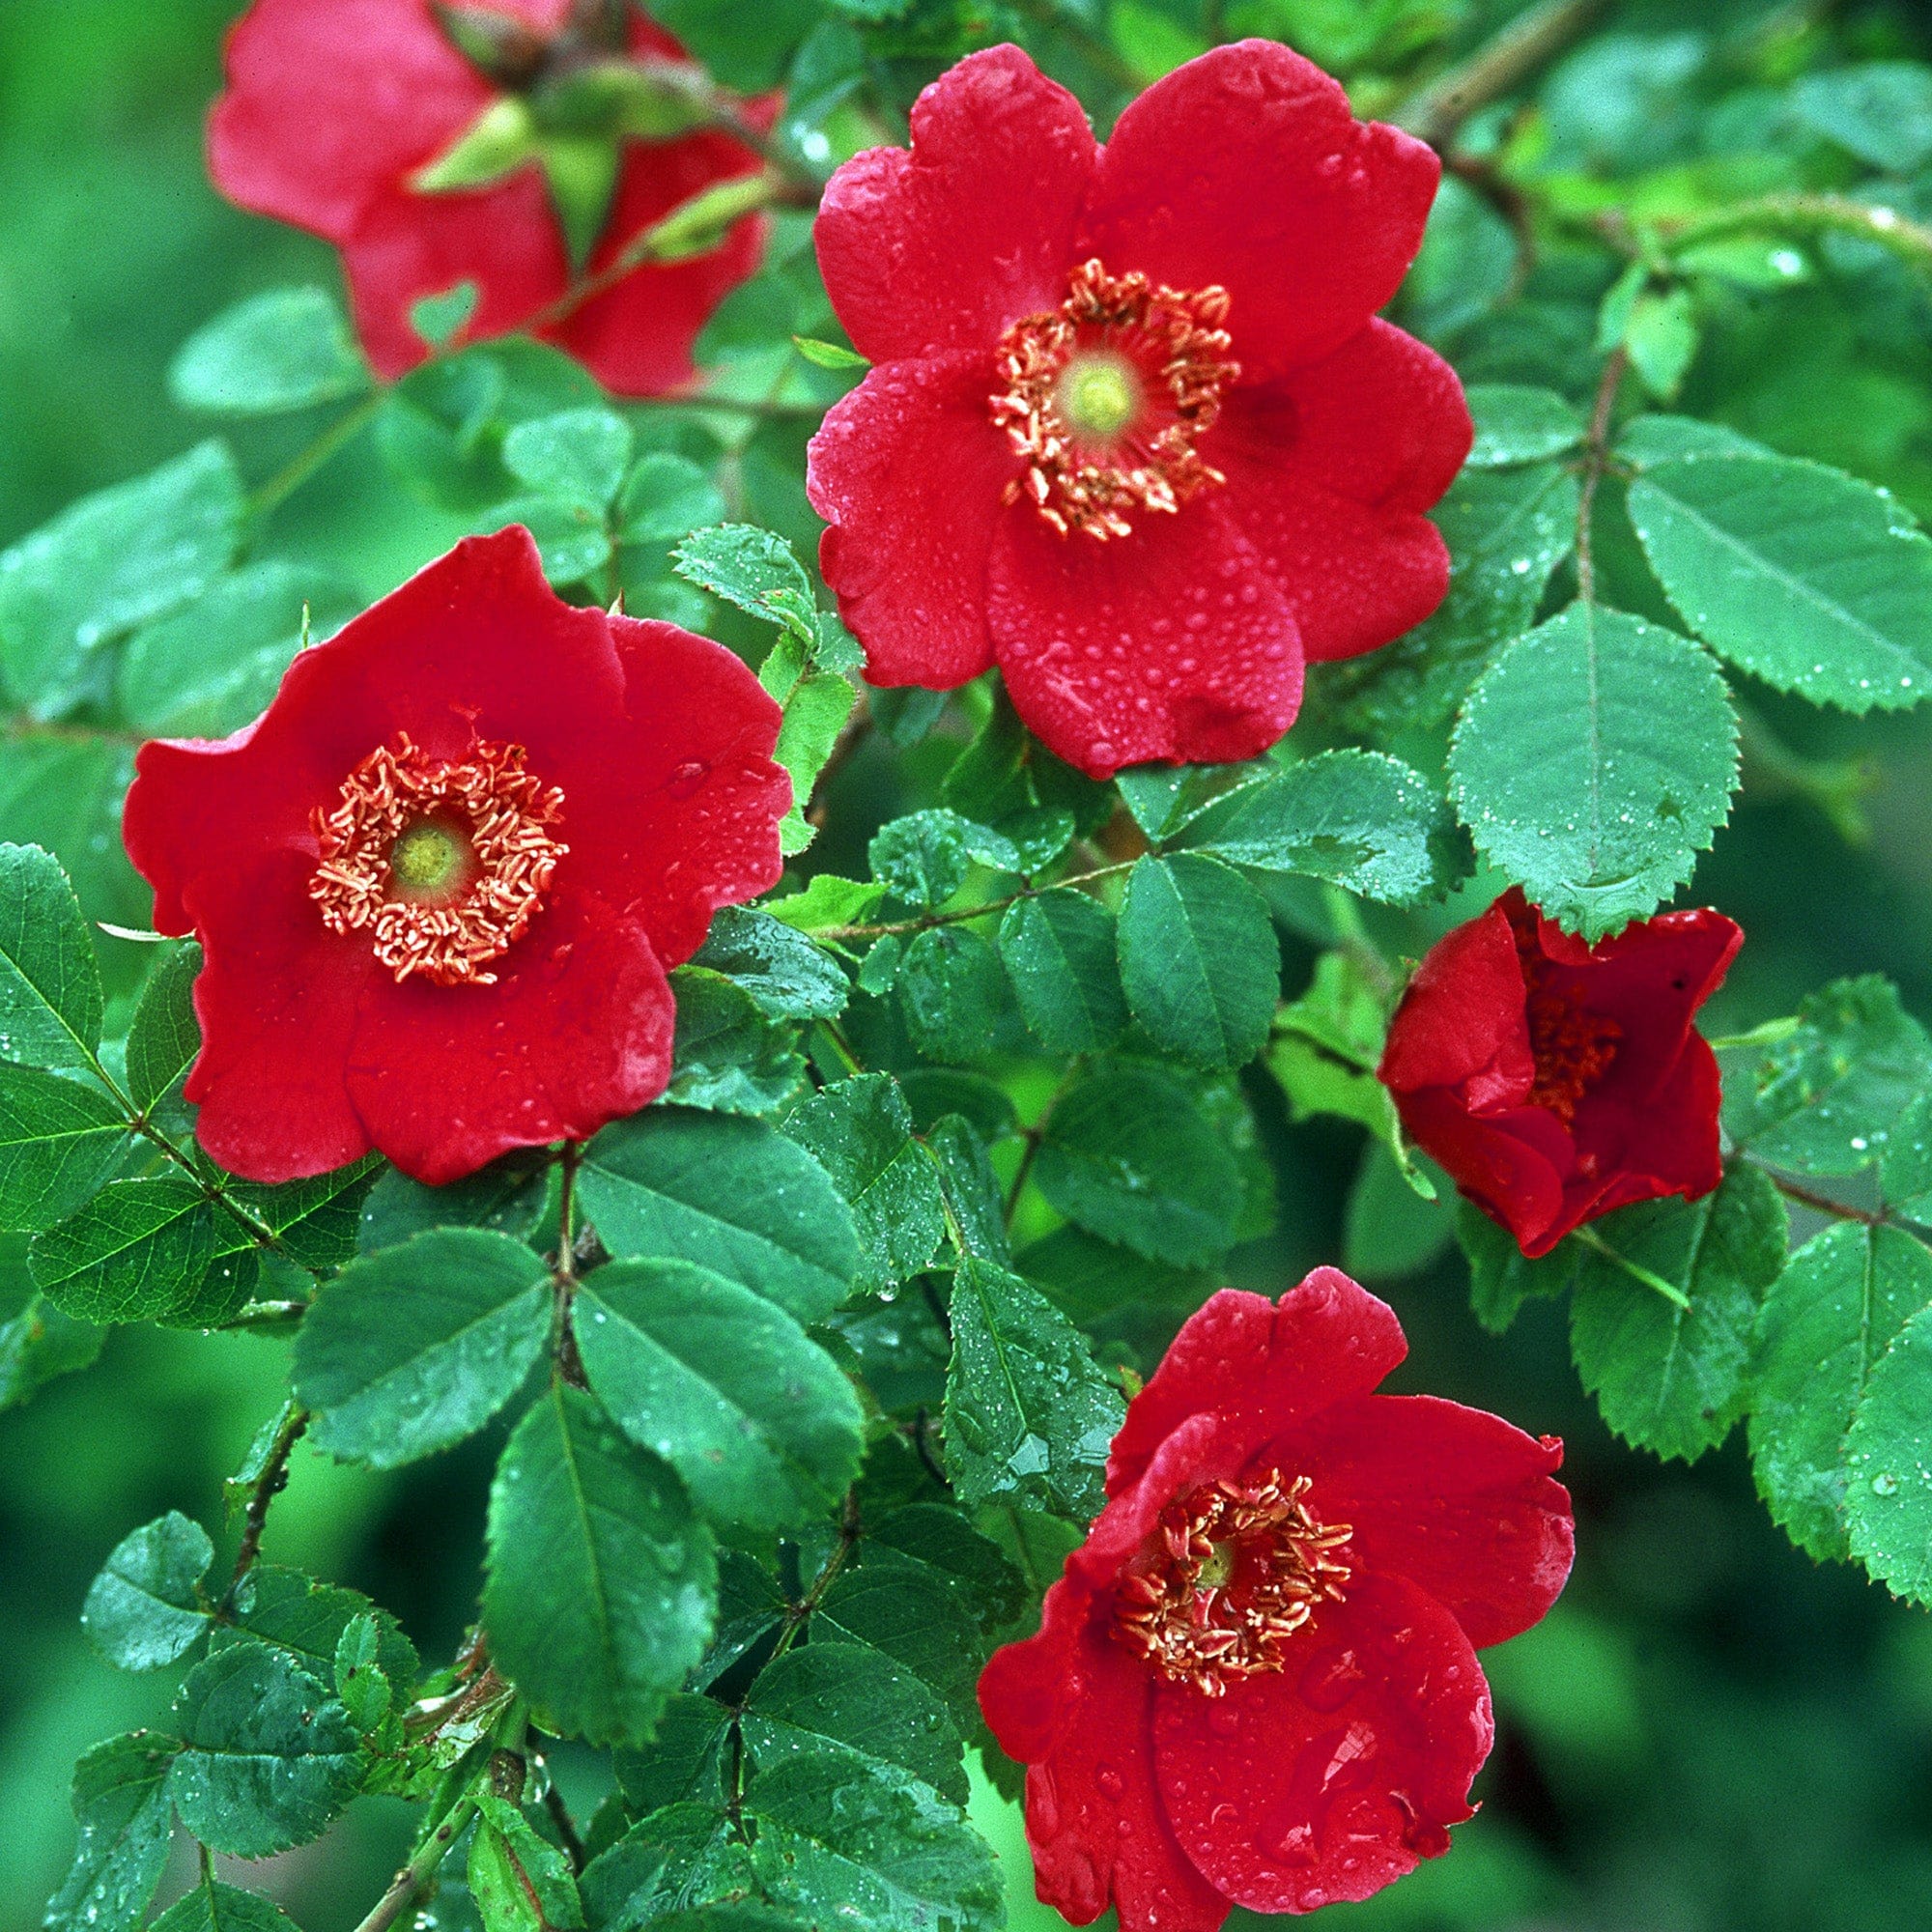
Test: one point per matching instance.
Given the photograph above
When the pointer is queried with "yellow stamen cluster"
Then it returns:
(1111, 332)
(442, 861)
(1235, 1572)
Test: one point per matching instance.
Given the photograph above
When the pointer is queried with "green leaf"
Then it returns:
(905, 1609)
(1906, 1182)
(1841, 1303)
(860, 1132)
(314, 1221)
(1593, 763)
(1029, 1413)
(577, 457)
(1162, 798)
(521, 1881)
(677, 1856)
(602, 1586)
(848, 1704)
(209, 669)
(827, 904)
(507, 1196)
(571, 540)
(922, 857)
(285, 349)
(308, 1620)
(1129, 1156)
(440, 318)
(1507, 531)
(408, 1351)
(165, 1036)
(1662, 335)
(1059, 951)
(1806, 577)
(1366, 822)
(782, 971)
(754, 570)
(816, 710)
(1091, 1279)
(50, 999)
(1650, 440)
(364, 1691)
(139, 1250)
(59, 1141)
(941, 1543)
(109, 564)
(880, 1855)
(954, 993)
(1198, 962)
(828, 354)
(1670, 1380)
(146, 1608)
(215, 1907)
(1825, 1098)
(725, 1386)
(38, 1343)
(728, 1056)
(1501, 1276)
(1888, 1466)
(1516, 424)
(971, 1187)
(267, 1756)
(1881, 111)
(732, 1194)
(1391, 1230)
(681, 1761)
(665, 496)
(126, 1824)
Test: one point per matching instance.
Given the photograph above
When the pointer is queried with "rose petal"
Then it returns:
(636, 338)
(1328, 471)
(1462, 1018)
(1258, 1367)
(277, 1000)
(1174, 642)
(1331, 1780)
(908, 470)
(944, 247)
(1456, 1500)
(575, 1034)
(1244, 169)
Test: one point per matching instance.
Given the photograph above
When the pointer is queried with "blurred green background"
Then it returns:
(1709, 1735)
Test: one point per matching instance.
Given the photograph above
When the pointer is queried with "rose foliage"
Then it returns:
(881, 692)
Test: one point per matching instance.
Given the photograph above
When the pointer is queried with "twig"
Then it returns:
(269, 1485)
(1529, 42)
(1596, 460)
(338, 436)
(410, 1882)
(566, 1825)
(926, 920)
(1823, 1204)
(1813, 214)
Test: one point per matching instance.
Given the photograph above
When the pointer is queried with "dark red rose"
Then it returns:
(333, 107)
(1556, 1080)
(1255, 1683)
(439, 881)
(1133, 435)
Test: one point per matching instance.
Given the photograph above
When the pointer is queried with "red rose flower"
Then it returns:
(1256, 1683)
(1133, 436)
(333, 110)
(439, 881)
(1556, 1080)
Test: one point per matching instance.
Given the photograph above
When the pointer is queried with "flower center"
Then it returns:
(442, 861)
(1232, 1574)
(1573, 1046)
(1105, 398)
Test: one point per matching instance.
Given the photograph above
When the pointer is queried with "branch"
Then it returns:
(1529, 42)
(928, 920)
(1596, 460)
(269, 1485)
(1810, 215)
(408, 1882)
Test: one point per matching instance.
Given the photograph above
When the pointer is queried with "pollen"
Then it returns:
(1105, 398)
(441, 862)
(1232, 1571)
(1573, 1046)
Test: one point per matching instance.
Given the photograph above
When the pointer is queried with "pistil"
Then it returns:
(1235, 1571)
(1106, 397)
(443, 863)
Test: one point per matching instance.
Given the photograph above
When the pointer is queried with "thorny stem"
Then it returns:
(926, 920)
(1816, 213)
(1596, 460)
(269, 1485)
(410, 1882)
(797, 1615)
(1823, 1204)
(1499, 66)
